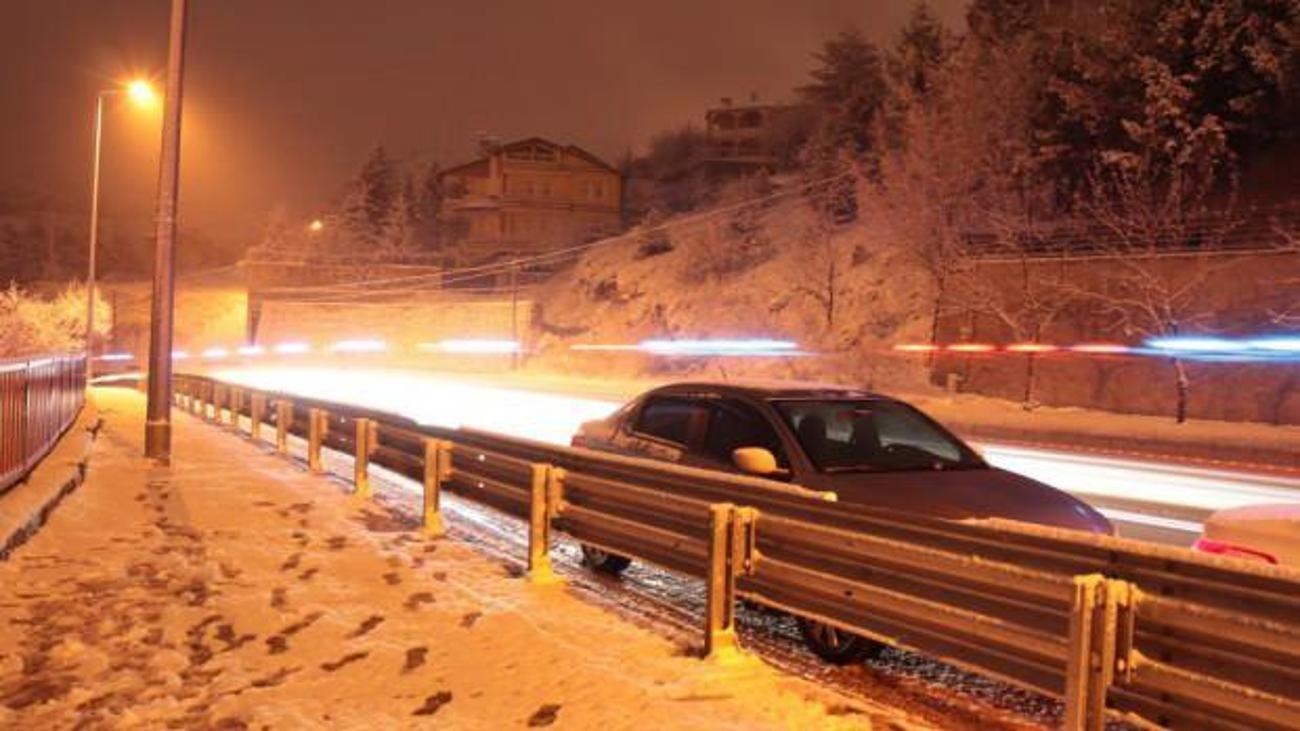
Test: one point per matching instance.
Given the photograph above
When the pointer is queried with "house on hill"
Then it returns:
(528, 197)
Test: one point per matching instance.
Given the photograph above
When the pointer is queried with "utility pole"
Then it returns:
(158, 424)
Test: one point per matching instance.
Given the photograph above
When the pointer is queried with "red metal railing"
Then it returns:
(39, 399)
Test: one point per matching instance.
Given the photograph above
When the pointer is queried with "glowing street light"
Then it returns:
(141, 93)
(316, 226)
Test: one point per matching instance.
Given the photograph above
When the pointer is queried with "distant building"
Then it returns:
(745, 138)
(529, 197)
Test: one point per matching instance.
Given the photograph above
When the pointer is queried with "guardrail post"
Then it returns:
(539, 527)
(255, 411)
(437, 467)
(234, 402)
(317, 424)
(210, 401)
(220, 395)
(555, 492)
(720, 612)
(284, 415)
(1090, 669)
(361, 469)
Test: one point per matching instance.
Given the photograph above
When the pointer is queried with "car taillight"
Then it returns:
(1232, 550)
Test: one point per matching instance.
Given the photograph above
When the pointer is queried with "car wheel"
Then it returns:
(601, 560)
(836, 646)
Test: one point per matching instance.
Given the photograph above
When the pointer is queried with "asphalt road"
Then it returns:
(1152, 500)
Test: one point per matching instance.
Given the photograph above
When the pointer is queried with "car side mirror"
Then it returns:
(756, 461)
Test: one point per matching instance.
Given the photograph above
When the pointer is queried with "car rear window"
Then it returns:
(670, 419)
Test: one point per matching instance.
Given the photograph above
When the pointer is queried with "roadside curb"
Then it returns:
(28, 505)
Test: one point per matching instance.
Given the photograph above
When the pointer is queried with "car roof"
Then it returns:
(771, 389)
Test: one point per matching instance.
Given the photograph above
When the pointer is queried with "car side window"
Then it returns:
(735, 425)
(671, 419)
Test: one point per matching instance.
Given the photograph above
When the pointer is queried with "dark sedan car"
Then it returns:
(864, 447)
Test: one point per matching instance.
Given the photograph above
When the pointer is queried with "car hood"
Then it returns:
(965, 494)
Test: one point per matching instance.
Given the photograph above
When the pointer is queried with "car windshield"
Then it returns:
(872, 436)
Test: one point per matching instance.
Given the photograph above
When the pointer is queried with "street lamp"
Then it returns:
(142, 94)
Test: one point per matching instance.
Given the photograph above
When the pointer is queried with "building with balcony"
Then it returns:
(529, 197)
(744, 138)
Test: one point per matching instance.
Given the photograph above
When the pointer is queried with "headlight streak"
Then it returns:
(292, 348)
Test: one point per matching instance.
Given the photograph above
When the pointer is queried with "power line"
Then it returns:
(464, 274)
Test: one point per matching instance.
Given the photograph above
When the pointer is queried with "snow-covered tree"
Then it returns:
(369, 200)
(400, 224)
(1144, 212)
(849, 90)
(917, 58)
(279, 232)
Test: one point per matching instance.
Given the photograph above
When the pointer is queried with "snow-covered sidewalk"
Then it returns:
(234, 590)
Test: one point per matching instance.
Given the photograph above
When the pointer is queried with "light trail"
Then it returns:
(435, 400)
(1153, 500)
(1162, 483)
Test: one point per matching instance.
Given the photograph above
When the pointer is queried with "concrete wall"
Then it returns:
(1243, 292)
(403, 326)
(206, 316)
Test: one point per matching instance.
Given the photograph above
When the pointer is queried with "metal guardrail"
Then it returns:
(39, 400)
(1112, 627)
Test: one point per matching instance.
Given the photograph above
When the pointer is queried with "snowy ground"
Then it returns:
(234, 591)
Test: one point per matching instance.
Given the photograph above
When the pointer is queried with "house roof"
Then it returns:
(572, 150)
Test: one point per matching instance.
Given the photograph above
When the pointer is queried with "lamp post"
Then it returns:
(141, 93)
(158, 423)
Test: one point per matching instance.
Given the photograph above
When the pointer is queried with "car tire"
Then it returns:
(836, 646)
(598, 559)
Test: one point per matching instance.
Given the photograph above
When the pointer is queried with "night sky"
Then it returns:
(284, 99)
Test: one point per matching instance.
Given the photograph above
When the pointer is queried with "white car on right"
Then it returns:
(1269, 533)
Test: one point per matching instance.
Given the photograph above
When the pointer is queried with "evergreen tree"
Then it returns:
(848, 88)
(369, 201)
(923, 47)
(401, 221)
(278, 233)
(994, 22)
